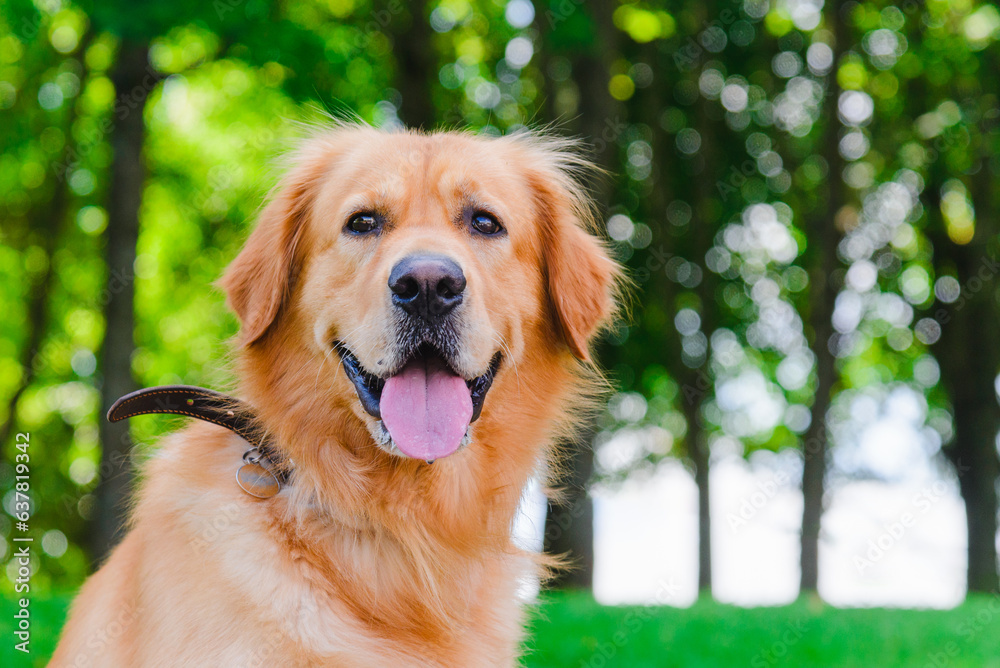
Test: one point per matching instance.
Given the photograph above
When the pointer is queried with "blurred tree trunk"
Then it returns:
(132, 79)
(973, 451)
(823, 236)
(697, 380)
(694, 376)
(569, 524)
(667, 181)
(969, 328)
(46, 224)
(415, 68)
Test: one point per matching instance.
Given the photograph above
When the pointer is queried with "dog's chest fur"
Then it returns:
(311, 588)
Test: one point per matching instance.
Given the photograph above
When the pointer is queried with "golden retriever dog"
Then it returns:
(415, 313)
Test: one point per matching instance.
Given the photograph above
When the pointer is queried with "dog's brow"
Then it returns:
(373, 199)
(470, 198)
(469, 195)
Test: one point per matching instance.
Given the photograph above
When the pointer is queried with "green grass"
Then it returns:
(571, 630)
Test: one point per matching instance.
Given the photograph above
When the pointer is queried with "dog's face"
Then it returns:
(430, 268)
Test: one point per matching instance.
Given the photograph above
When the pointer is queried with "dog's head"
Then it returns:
(434, 269)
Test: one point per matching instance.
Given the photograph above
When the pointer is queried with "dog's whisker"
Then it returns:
(499, 339)
(319, 370)
(362, 326)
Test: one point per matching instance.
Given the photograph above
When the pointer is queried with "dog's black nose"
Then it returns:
(427, 286)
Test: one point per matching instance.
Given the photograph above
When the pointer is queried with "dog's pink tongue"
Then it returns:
(426, 408)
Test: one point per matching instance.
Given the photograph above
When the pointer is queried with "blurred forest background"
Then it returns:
(805, 194)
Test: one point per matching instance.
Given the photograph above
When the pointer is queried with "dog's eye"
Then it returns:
(363, 223)
(485, 223)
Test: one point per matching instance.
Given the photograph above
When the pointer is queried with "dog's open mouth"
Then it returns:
(425, 406)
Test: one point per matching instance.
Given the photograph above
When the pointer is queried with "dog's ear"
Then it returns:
(581, 284)
(259, 281)
(582, 278)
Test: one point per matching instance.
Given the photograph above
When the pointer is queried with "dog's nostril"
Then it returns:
(427, 286)
(451, 286)
(405, 288)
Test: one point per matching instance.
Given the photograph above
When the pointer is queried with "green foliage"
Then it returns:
(716, 128)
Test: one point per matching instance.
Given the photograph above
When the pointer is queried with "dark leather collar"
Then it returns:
(234, 414)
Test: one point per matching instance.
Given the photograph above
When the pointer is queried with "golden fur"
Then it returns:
(367, 558)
